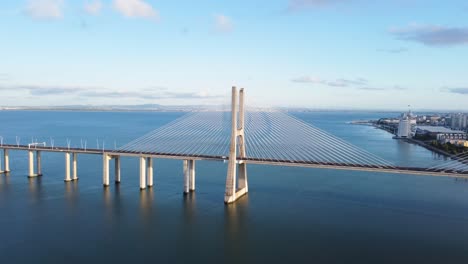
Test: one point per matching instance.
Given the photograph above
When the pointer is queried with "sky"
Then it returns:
(320, 54)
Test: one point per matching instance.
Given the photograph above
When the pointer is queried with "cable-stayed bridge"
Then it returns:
(239, 137)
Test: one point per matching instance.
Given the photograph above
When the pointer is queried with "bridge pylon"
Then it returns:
(237, 169)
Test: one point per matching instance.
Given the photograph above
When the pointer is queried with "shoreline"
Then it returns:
(420, 143)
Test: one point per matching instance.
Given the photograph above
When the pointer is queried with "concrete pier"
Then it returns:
(149, 172)
(186, 176)
(30, 164)
(6, 160)
(39, 163)
(75, 166)
(143, 169)
(232, 193)
(192, 175)
(105, 169)
(31, 172)
(67, 167)
(117, 169)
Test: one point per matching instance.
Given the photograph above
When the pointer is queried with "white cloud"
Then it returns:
(307, 79)
(333, 83)
(45, 9)
(93, 7)
(432, 35)
(135, 8)
(223, 23)
(295, 5)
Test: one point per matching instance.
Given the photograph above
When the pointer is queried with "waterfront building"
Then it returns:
(459, 121)
(406, 125)
(440, 133)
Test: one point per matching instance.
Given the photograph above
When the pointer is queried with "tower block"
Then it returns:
(237, 169)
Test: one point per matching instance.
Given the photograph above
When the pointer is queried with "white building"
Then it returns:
(459, 121)
(405, 125)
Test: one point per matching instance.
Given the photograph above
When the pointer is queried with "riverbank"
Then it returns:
(417, 142)
(429, 147)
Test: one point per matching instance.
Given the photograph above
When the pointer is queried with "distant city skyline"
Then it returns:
(319, 54)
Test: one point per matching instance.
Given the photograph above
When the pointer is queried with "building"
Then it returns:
(440, 133)
(459, 121)
(404, 128)
(406, 125)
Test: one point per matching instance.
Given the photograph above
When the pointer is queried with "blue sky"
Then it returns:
(301, 53)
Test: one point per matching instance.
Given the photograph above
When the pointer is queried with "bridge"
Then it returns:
(238, 137)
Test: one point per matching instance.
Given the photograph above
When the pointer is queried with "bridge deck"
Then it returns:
(276, 162)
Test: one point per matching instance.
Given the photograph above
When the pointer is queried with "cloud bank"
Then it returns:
(432, 35)
(333, 83)
(45, 9)
(86, 92)
(93, 7)
(296, 5)
(135, 9)
(459, 90)
(359, 83)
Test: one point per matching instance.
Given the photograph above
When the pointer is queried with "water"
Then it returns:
(290, 215)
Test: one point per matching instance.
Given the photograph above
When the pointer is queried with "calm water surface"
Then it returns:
(291, 215)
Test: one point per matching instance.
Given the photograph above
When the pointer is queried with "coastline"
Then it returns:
(429, 147)
(414, 141)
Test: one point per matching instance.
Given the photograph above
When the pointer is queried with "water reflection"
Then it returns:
(4, 187)
(235, 229)
(35, 188)
(190, 207)
(146, 203)
(404, 152)
(149, 222)
(5, 182)
(71, 193)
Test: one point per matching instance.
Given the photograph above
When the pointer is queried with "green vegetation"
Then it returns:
(448, 147)
(423, 137)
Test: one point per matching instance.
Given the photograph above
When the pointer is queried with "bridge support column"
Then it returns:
(105, 169)
(192, 175)
(6, 160)
(1, 170)
(237, 135)
(117, 169)
(67, 167)
(242, 177)
(143, 173)
(39, 163)
(186, 177)
(149, 171)
(31, 173)
(75, 166)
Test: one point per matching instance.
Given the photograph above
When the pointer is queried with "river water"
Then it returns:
(291, 215)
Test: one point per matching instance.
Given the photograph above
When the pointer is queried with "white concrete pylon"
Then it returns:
(1, 170)
(192, 175)
(149, 171)
(186, 177)
(75, 166)
(6, 159)
(31, 164)
(67, 167)
(142, 173)
(242, 167)
(232, 193)
(117, 169)
(39, 163)
(105, 169)
(5, 162)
